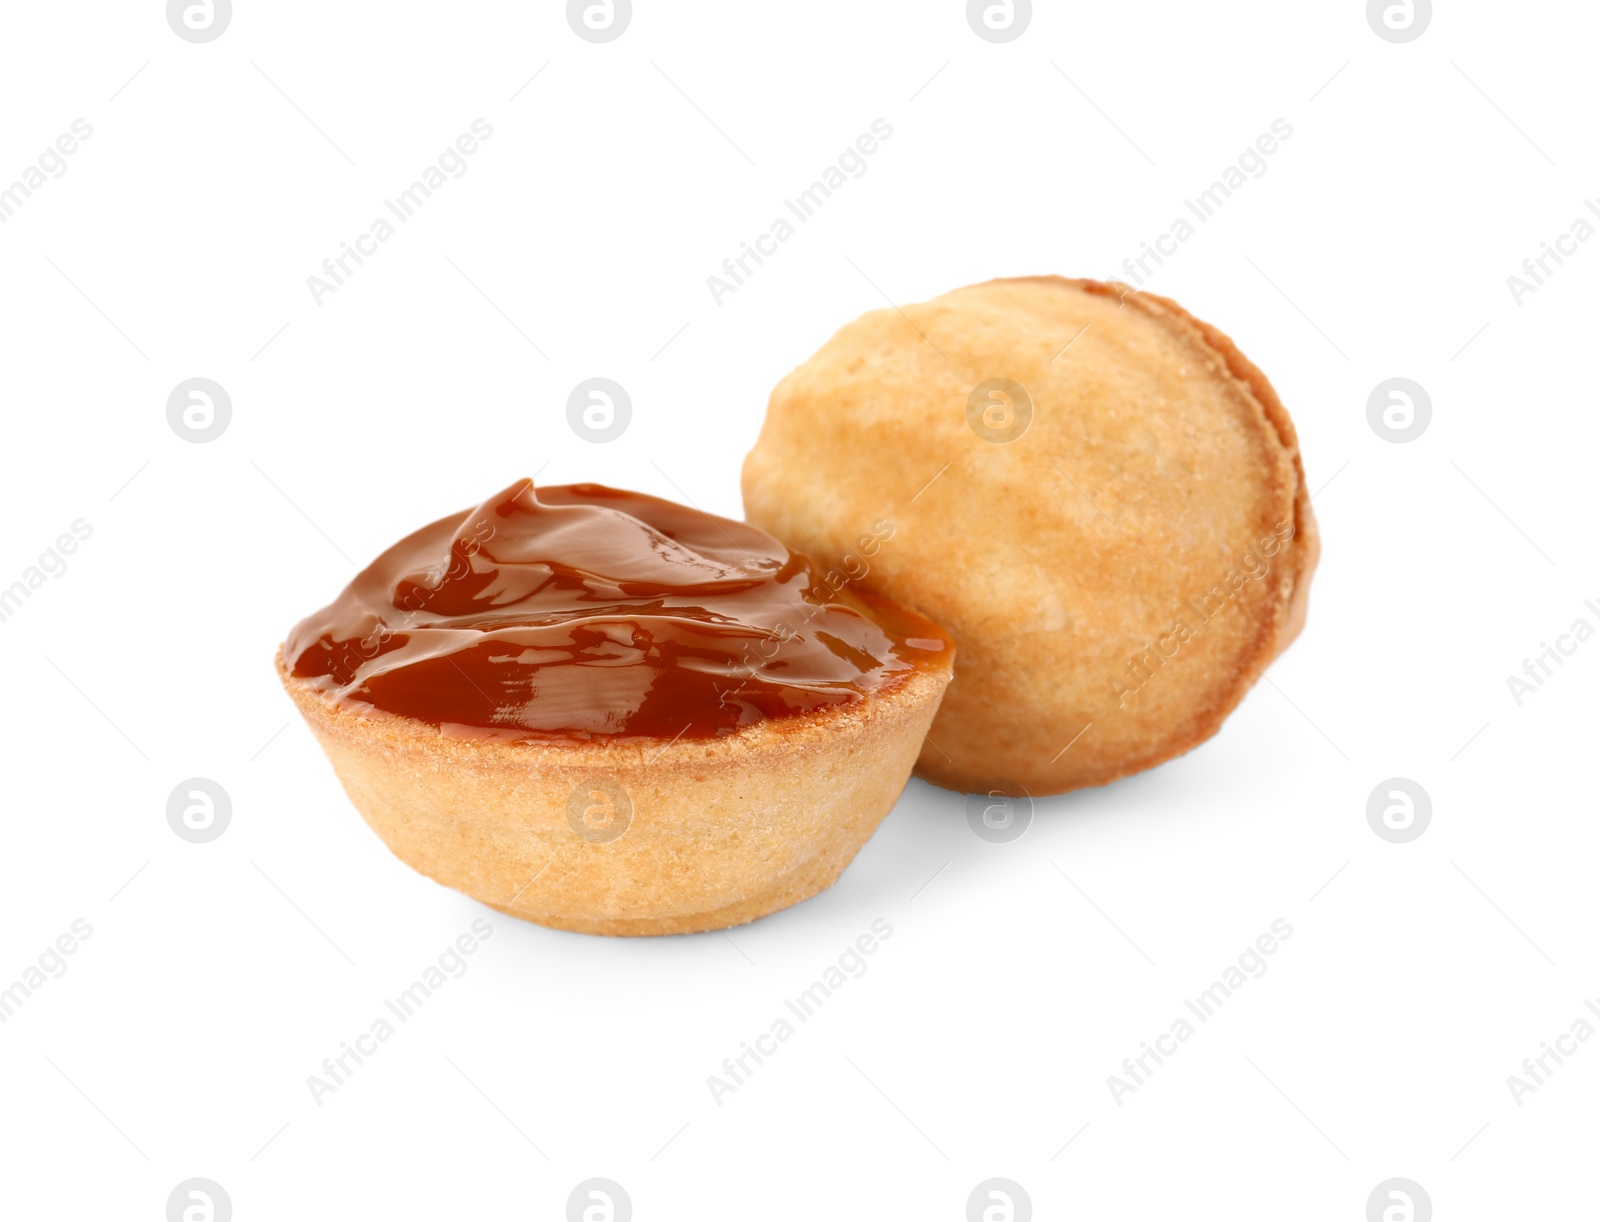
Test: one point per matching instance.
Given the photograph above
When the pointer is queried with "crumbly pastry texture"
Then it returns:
(1115, 578)
(642, 837)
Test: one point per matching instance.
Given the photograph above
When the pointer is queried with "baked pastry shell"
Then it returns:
(1047, 596)
(713, 832)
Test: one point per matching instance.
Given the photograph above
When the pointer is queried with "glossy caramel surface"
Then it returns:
(586, 613)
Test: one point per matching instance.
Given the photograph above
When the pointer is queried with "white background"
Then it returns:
(577, 245)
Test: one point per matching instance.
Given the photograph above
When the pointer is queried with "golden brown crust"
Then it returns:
(1157, 461)
(716, 832)
(1309, 549)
